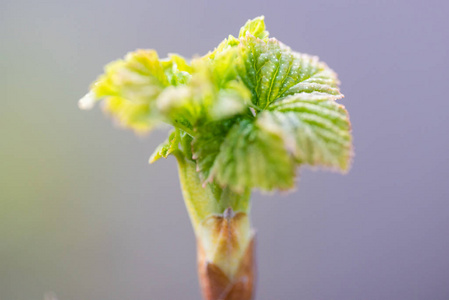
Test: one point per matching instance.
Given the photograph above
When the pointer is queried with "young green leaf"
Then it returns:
(207, 143)
(315, 129)
(254, 27)
(253, 157)
(272, 71)
(168, 147)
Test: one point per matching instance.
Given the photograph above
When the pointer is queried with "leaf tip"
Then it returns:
(87, 102)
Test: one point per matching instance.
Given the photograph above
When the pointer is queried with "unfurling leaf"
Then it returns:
(254, 27)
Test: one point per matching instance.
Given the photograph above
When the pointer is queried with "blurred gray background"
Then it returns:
(82, 214)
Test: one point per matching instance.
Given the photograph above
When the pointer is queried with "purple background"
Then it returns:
(83, 215)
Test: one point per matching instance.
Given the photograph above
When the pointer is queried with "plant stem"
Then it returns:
(225, 240)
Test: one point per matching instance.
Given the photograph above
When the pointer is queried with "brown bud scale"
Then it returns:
(216, 285)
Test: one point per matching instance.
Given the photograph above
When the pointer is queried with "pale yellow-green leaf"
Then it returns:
(254, 27)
